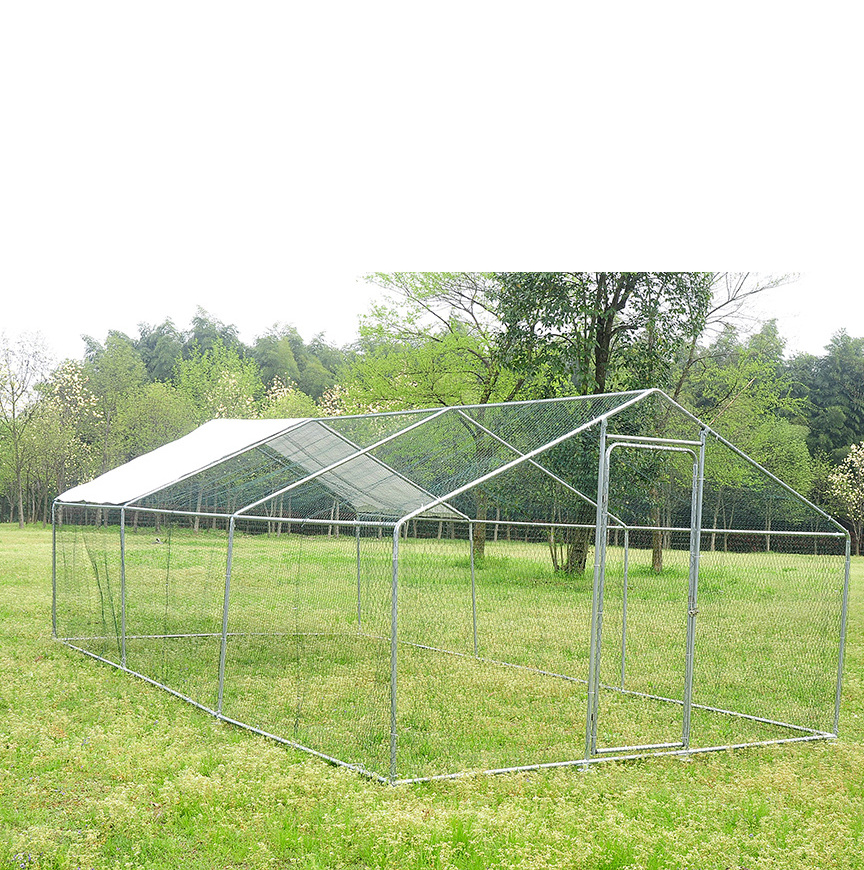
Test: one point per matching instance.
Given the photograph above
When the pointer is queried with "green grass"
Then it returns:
(100, 770)
(298, 667)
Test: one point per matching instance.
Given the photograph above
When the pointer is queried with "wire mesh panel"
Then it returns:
(769, 629)
(307, 659)
(175, 581)
(88, 600)
(481, 640)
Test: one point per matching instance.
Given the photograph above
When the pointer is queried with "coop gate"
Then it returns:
(658, 736)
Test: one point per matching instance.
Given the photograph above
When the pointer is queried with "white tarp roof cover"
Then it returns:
(194, 452)
(307, 447)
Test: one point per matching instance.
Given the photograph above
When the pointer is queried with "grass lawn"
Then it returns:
(100, 770)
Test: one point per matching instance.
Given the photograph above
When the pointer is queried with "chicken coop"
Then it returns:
(426, 593)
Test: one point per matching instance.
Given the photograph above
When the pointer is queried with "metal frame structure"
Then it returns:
(445, 506)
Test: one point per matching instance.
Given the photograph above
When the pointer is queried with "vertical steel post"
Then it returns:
(53, 570)
(693, 588)
(359, 620)
(394, 614)
(123, 587)
(624, 607)
(224, 648)
(597, 598)
(842, 651)
(473, 588)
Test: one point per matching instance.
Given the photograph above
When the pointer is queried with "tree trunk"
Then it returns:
(714, 526)
(577, 551)
(657, 552)
(656, 541)
(480, 528)
(20, 504)
(553, 549)
(197, 513)
(656, 536)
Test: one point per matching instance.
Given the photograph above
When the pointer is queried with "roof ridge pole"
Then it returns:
(486, 405)
(596, 601)
(223, 650)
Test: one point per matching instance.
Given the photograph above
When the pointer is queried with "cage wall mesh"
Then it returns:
(421, 594)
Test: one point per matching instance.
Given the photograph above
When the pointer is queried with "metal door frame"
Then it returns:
(697, 450)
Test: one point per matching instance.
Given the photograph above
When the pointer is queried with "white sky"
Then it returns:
(255, 159)
(809, 310)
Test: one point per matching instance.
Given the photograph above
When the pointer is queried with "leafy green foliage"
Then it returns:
(433, 341)
(131, 395)
(832, 387)
(114, 372)
(602, 330)
(447, 338)
(22, 364)
(847, 485)
(62, 443)
(286, 401)
(219, 383)
(159, 348)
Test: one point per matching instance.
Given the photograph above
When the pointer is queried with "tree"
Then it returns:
(153, 416)
(23, 363)
(600, 330)
(285, 401)
(743, 390)
(833, 389)
(64, 436)
(219, 383)
(274, 353)
(433, 341)
(206, 332)
(781, 447)
(283, 356)
(159, 348)
(114, 372)
(847, 484)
